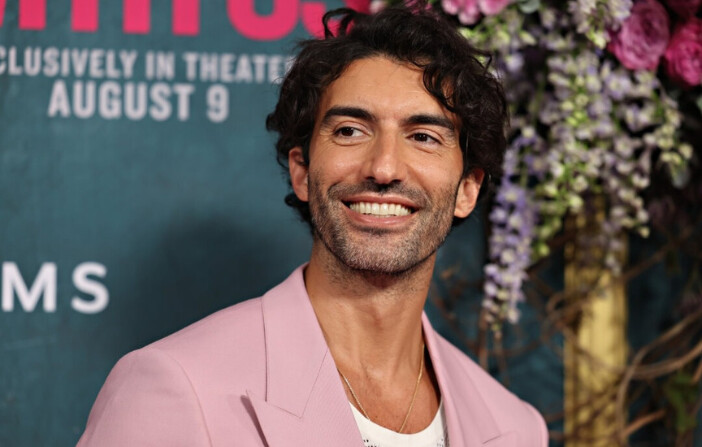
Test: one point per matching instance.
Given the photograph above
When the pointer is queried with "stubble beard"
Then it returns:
(380, 252)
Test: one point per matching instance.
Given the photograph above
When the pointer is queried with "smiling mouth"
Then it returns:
(380, 209)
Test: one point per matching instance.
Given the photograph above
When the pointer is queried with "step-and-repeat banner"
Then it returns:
(138, 187)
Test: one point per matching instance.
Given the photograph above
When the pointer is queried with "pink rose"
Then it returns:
(691, 30)
(684, 8)
(643, 36)
(683, 56)
(468, 11)
(492, 7)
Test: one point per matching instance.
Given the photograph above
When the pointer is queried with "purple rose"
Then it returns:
(684, 8)
(683, 57)
(643, 36)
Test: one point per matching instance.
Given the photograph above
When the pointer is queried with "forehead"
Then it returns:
(386, 88)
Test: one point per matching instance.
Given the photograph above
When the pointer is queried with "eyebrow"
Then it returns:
(353, 112)
(432, 120)
(357, 112)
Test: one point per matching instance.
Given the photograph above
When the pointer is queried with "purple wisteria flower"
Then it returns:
(513, 218)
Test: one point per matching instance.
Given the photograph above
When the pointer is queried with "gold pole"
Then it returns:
(597, 346)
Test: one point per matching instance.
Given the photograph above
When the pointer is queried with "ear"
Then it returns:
(298, 173)
(467, 194)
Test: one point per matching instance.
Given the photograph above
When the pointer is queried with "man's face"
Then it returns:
(384, 175)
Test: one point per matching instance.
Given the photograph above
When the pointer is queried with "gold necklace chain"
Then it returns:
(414, 395)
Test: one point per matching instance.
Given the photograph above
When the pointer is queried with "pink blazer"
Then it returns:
(260, 374)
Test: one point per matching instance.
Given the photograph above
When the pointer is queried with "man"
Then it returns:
(387, 130)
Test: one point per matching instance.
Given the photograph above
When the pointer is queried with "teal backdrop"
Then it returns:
(139, 192)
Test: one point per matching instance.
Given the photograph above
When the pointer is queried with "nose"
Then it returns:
(385, 162)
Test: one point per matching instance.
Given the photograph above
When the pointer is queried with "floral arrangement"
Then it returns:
(594, 88)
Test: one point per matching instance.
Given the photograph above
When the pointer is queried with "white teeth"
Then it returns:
(380, 209)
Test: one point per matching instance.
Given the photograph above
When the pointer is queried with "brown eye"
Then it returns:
(346, 132)
(423, 138)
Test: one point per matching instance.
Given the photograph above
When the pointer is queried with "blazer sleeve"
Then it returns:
(147, 400)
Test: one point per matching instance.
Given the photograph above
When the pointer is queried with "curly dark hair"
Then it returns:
(453, 74)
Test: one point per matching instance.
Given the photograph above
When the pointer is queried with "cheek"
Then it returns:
(337, 164)
(439, 175)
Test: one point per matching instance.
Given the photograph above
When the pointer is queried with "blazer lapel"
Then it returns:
(305, 403)
(469, 420)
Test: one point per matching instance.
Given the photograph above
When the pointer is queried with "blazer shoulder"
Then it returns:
(455, 358)
(185, 388)
(146, 400)
(219, 329)
(509, 411)
(226, 345)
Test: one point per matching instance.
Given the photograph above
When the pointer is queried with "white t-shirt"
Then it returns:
(374, 435)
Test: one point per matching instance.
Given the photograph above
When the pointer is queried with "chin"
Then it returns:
(380, 264)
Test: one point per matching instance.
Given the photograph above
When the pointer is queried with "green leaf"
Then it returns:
(681, 391)
(529, 6)
(699, 103)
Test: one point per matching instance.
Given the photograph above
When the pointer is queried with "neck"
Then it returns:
(371, 322)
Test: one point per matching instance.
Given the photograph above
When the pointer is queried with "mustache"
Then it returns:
(339, 191)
